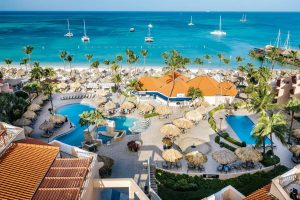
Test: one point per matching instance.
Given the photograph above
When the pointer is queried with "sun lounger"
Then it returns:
(178, 165)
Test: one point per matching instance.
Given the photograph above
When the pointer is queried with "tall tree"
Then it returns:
(194, 93)
(198, 62)
(207, 58)
(117, 79)
(144, 53)
(221, 57)
(48, 89)
(95, 64)
(107, 63)
(69, 59)
(63, 55)
(239, 59)
(273, 56)
(89, 57)
(119, 58)
(28, 51)
(24, 61)
(8, 61)
(293, 106)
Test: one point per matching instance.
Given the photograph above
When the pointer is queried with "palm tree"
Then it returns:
(107, 63)
(62, 56)
(239, 59)
(198, 62)
(144, 53)
(269, 125)
(207, 58)
(294, 56)
(134, 85)
(134, 59)
(36, 73)
(24, 61)
(49, 72)
(28, 51)
(129, 60)
(117, 79)
(194, 93)
(226, 61)
(8, 61)
(32, 87)
(221, 57)
(115, 67)
(293, 106)
(48, 89)
(69, 59)
(119, 58)
(95, 64)
(85, 119)
(273, 55)
(89, 57)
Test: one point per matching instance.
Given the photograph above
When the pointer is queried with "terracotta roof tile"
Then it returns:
(260, 194)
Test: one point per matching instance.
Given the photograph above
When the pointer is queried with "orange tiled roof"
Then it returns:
(22, 168)
(228, 88)
(150, 83)
(180, 86)
(169, 77)
(206, 84)
(261, 194)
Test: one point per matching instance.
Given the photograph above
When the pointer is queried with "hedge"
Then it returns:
(211, 119)
(149, 115)
(184, 187)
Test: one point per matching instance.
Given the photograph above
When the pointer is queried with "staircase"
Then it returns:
(152, 181)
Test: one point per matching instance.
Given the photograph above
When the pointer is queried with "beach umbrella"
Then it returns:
(38, 101)
(183, 123)
(196, 158)
(110, 105)
(170, 130)
(22, 122)
(296, 133)
(163, 110)
(224, 157)
(43, 97)
(295, 149)
(247, 154)
(62, 85)
(171, 155)
(46, 125)
(57, 119)
(100, 100)
(145, 107)
(167, 141)
(127, 105)
(205, 104)
(187, 144)
(29, 114)
(28, 130)
(194, 115)
(75, 85)
(102, 93)
(20, 72)
(34, 107)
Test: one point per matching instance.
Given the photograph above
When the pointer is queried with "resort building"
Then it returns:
(286, 88)
(175, 89)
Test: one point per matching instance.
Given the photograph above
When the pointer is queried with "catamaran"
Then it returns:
(149, 38)
(84, 38)
(191, 22)
(244, 18)
(219, 32)
(69, 34)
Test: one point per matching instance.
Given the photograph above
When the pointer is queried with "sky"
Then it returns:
(149, 5)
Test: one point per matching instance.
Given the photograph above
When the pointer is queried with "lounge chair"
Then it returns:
(178, 165)
(165, 165)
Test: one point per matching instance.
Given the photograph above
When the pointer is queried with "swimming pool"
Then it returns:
(242, 126)
(72, 111)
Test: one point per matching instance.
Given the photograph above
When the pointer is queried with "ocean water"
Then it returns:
(109, 34)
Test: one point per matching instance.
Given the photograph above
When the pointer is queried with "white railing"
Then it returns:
(153, 194)
(284, 181)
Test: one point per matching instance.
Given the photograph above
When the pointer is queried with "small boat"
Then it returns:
(84, 38)
(219, 32)
(69, 34)
(191, 22)
(132, 29)
(149, 38)
(244, 18)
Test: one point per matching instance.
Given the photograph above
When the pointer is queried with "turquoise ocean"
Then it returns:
(109, 34)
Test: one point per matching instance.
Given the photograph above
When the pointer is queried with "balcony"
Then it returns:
(8, 134)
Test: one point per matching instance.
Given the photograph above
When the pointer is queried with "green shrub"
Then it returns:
(227, 146)
(149, 115)
(217, 139)
(270, 159)
(22, 94)
(225, 134)
(114, 88)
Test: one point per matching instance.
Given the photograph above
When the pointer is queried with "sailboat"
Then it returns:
(219, 32)
(191, 22)
(244, 18)
(69, 34)
(149, 38)
(85, 38)
(287, 44)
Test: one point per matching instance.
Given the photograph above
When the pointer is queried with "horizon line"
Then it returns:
(205, 11)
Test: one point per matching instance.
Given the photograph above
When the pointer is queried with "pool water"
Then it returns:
(74, 138)
(242, 126)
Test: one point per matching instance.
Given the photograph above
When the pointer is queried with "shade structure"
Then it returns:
(196, 158)
(20, 72)
(171, 155)
(145, 107)
(102, 93)
(34, 107)
(127, 105)
(28, 130)
(295, 149)
(22, 122)
(170, 130)
(75, 85)
(163, 110)
(43, 97)
(38, 101)
(46, 125)
(247, 154)
(62, 85)
(57, 119)
(167, 141)
(194, 115)
(296, 133)
(224, 157)
(110, 105)
(187, 144)
(183, 123)
(205, 104)
(100, 100)
(29, 114)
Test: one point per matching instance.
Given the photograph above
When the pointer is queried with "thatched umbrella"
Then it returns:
(171, 155)
(100, 100)
(43, 97)
(170, 130)
(102, 93)
(163, 110)
(28, 130)
(62, 85)
(183, 123)
(34, 107)
(194, 115)
(188, 143)
(202, 103)
(248, 154)
(127, 105)
(224, 157)
(46, 125)
(22, 122)
(75, 85)
(110, 105)
(29, 114)
(57, 119)
(295, 149)
(196, 158)
(38, 101)
(296, 133)
(145, 107)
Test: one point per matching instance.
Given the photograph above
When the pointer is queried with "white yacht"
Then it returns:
(244, 18)
(69, 34)
(85, 38)
(131, 29)
(191, 22)
(219, 32)
(149, 38)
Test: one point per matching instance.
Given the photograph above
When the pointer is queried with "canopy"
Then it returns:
(110, 105)
(224, 157)
(38, 101)
(29, 114)
(295, 149)
(43, 97)
(100, 100)
(62, 85)
(145, 107)
(34, 107)
(75, 85)
(22, 122)
(296, 133)
(196, 158)
(127, 105)
(246, 154)
(163, 110)
(194, 115)
(183, 123)
(186, 144)
(46, 125)
(102, 93)
(57, 119)
(171, 155)
(170, 130)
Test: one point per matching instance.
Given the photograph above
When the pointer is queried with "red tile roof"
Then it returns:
(260, 194)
